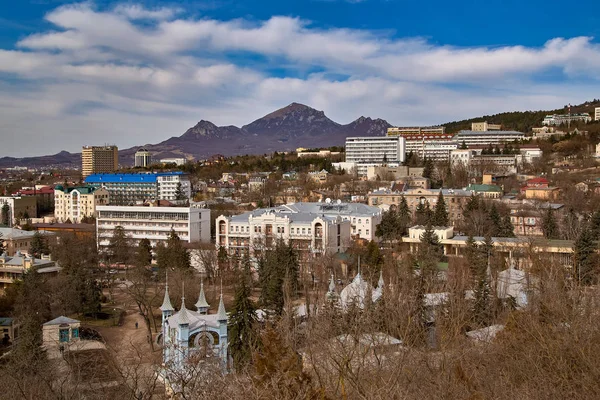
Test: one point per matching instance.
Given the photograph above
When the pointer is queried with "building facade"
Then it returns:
(12, 268)
(309, 233)
(175, 160)
(19, 241)
(186, 333)
(427, 142)
(485, 126)
(131, 189)
(192, 224)
(376, 150)
(19, 207)
(559, 119)
(98, 159)
(407, 131)
(143, 158)
(476, 138)
(597, 114)
(455, 199)
(76, 203)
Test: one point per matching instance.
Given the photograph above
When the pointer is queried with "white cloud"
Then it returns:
(101, 74)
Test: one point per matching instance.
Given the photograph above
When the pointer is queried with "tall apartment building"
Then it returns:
(427, 142)
(375, 150)
(478, 138)
(597, 114)
(143, 158)
(97, 159)
(74, 204)
(131, 189)
(192, 224)
(485, 126)
(559, 119)
(19, 207)
(308, 233)
(455, 199)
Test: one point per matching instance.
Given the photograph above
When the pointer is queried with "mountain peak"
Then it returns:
(293, 108)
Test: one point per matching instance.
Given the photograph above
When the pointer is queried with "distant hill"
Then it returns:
(288, 128)
(521, 121)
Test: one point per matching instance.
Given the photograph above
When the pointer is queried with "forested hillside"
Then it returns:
(521, 121)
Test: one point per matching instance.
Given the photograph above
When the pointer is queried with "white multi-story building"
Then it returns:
(308, 233)
(192, 224)
(74, 204)
(597, 114)
(137, 188)
(176, 161)
(477, 138)
(375, 150)
(143, 158)
(406, 131)
(559, 119)
(364, 218)
(434, 148)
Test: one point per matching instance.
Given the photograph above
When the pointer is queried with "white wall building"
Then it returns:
(175, 160)
(143, 158)
(192, 224)
(476, 138)
(167, 186)
(597, 114)
(374, 150)
(309, 233)
(434, 148)
(485, 126)
(74, 204)
(559, 119)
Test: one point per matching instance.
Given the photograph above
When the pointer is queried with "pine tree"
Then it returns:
(507, 229)
(243, 338)
(440, 216)
(173, 255)
(428, 168)
(595, 224)
(119, 250)
(482, 306)
(586, 259)
(280, 266)
(549, 225)
(404, 216)
(179, 194)
(389, 228)
(423, 213)
(38, 245)
(143, 255)
(5, 215)
(496, 220)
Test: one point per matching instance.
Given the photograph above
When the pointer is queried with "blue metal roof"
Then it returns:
(128, 178)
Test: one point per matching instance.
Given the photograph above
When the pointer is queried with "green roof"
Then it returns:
(484, 188)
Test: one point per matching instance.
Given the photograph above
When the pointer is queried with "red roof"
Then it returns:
(538, 180)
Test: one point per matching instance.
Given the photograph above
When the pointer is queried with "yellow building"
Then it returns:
(74, 204)
(95, 159)
(541, 193)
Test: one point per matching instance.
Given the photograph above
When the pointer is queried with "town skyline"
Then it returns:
(157, 68)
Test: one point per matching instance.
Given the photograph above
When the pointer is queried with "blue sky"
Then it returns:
(131, 73)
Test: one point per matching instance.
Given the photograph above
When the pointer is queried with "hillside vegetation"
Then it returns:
(521, 121)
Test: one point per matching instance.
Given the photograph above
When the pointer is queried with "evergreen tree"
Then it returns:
(496, 220)
(119, 250)
(373, 258)
(429, 254)
(280, 266)
(38, 245)
(5, 215)
(404, 216)
(479, 259)
(423, 213)
(173, 254)
(507, 229)
(463, 145)
(243, 338)
(179, 194)
(143, 255)
(586, 259)
(440, 216)
(389, 227)
(549, 225)
(428, 168)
